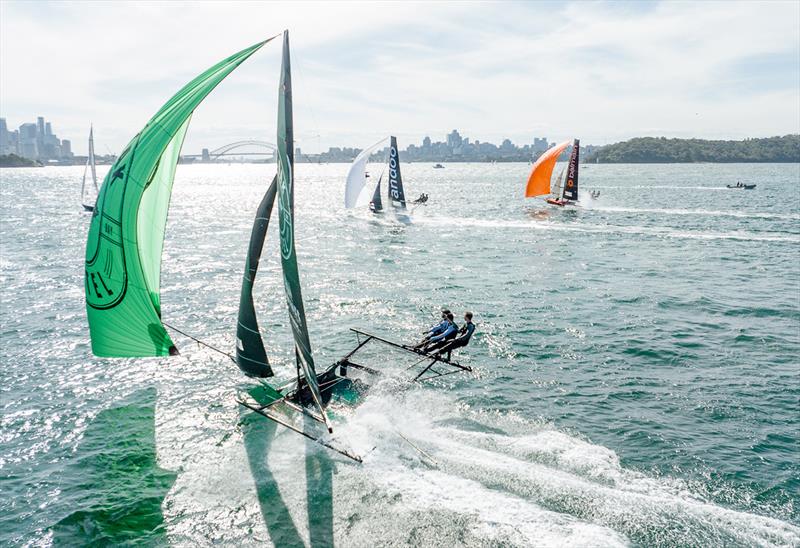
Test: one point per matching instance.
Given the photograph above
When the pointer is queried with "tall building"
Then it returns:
(66, 148)
(453, 139)
(28, 146)
(426, 142)
(5, 138)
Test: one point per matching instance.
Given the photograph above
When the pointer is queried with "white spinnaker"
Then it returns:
(356, 177)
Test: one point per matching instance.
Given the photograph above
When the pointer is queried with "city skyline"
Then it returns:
(635, 69)
(34, 141)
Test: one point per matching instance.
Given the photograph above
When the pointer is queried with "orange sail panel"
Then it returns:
(542, 172)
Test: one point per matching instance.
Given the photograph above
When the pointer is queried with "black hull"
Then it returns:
(87, 207)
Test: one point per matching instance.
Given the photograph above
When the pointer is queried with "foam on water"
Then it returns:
(529, 484)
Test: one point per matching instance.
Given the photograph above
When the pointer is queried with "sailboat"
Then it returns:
(90, 164)
(357, 178)
(539, 181)
(126, 238)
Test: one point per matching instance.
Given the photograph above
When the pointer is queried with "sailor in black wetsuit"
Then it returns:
(464, 335)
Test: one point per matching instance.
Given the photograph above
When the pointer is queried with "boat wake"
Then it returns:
(541, 223)
(664, 211)
(494, 478)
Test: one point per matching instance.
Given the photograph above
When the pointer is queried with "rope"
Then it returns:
(198, 341)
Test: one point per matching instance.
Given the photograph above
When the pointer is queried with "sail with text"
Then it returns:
(89, 167)
(357, 176)
(397, 196)
(291, 274)
(571, 185)
(126, 235)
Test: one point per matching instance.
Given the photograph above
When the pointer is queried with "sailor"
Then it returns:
(442, 339)
(437, 329)
(464, 335)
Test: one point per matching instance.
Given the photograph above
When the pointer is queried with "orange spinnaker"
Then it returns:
(542, 172)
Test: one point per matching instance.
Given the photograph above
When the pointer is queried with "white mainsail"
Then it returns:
(556, 191)
(90, 164)
(357, 176)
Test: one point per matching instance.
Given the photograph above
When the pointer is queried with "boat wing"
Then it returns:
(542, 171)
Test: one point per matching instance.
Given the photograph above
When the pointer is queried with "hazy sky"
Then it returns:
(600, 71)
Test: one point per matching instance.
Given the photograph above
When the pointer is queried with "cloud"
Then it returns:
(599, 71)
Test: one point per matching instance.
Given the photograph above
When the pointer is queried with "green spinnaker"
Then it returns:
(126, 235)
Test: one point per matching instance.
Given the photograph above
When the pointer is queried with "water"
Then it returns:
(636, 367)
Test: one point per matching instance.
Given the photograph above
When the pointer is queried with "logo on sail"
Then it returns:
(285, 206)
(393, 185)
(105, 270)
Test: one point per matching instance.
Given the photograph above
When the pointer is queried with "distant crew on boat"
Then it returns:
(421, 200)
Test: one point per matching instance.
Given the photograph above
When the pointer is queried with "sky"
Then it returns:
(599, 71)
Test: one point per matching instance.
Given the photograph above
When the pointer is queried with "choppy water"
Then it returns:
(636, 367)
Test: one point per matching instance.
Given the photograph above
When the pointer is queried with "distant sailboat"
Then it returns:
(539, 181)
(90, 163)
(357, 177)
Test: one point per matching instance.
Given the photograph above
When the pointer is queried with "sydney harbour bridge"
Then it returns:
(238, 149)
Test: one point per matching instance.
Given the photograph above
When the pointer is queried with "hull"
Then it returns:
(87, 207)
(561, 203)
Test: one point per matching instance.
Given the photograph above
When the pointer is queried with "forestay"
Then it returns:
(126, 235)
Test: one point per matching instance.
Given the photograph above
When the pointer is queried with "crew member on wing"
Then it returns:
(464, 335)
(437, 329)
(450, 332)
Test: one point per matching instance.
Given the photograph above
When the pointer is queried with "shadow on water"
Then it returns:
(319, 491)
(113, 487)
(258, 434)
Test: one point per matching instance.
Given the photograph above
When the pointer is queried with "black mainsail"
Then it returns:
(571, 185)
(251, 356)
(397, 196)
(291, 274)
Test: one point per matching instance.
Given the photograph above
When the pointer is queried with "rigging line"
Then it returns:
(423, 453)
(198, 341)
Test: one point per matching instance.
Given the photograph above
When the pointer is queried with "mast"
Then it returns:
(291, 274)
(571, 186)
(397, 196)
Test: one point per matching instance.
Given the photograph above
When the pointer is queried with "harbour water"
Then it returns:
(636, 366)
